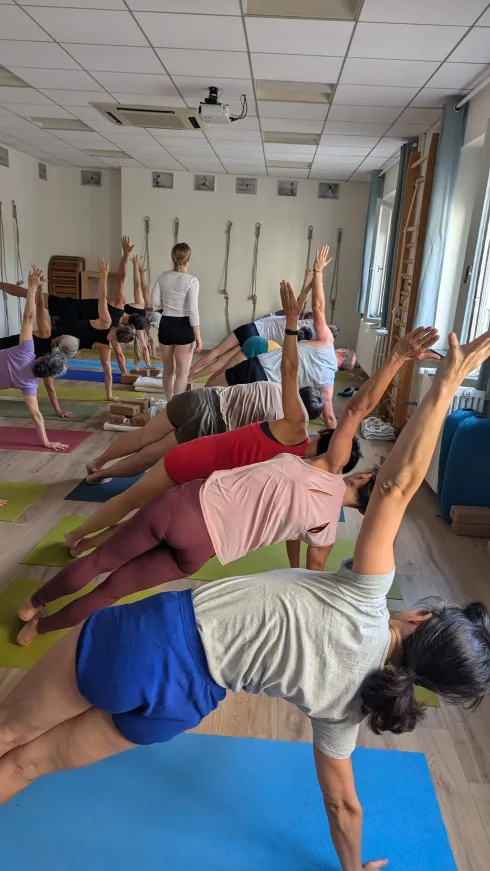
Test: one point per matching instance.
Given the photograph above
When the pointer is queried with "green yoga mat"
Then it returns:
(19, 498)
(19, 410)
(87, 394)
(13, 656)
(52, 550)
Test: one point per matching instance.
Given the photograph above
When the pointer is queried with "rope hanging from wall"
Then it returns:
(310, 238)
(253, 289)
(19, 280)
(334, 287)
(176, 230)
(224, 289)
(3, 272)
(146, 248)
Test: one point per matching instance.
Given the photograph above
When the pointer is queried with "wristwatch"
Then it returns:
(291, 332)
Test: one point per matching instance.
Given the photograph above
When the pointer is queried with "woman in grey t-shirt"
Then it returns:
(142, 673)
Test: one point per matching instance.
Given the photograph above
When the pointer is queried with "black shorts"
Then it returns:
(9, 342)
(247, 372)
(72, 310)
(245, 332)
(131, 310)
(175, 331)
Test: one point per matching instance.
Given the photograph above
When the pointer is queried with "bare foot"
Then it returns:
(94, 466)
(28, 632)
(71, 538)
(80, 547)
(27, 611)
(97, 478)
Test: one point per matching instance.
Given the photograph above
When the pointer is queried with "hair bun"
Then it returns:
(478, 614)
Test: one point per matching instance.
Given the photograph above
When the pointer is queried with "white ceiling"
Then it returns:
(392, 68)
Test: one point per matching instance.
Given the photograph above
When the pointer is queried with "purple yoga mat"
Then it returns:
(17, 438)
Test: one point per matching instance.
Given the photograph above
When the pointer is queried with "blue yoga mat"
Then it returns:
(84, 492)
(208, 803)
(85, 363)
(90, 375)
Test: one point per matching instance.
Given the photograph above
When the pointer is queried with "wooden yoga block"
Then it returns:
(128, 379)
(140, 419)
(117, 418)
(143, 404)
(143, 373)
(154, 373)
(123, 409)
(476, 530)
(470, 514)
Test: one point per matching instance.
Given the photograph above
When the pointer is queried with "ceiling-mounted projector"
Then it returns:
(211, 111)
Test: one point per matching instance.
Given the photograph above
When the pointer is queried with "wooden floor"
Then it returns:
(430, 561)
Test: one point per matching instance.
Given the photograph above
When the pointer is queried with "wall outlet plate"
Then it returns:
(42, 171)
(163, 180)
(4, 157)
(91, 177)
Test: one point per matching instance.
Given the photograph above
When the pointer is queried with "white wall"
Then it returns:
(478, 116)
(283, 242)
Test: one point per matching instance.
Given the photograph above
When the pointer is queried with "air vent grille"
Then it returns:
(160, 118)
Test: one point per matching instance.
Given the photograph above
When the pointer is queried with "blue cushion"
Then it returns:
(464, 471)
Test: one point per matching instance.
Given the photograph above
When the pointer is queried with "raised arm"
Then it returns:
(413, 346)
(323, 332)
(404, 470)
(307, 285)
(105, 320)
(36, 279)
(293, 427)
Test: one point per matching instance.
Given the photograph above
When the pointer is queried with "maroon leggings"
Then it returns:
(166, 540)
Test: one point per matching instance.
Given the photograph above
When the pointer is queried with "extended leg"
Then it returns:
(129, 442)
(75, 743)
(223, 362)
(138, 462)
(168, 377)
(183, 360)
(226, 345)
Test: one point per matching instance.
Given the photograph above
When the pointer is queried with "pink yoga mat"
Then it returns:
(16, 438)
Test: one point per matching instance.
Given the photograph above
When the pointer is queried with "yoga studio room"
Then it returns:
(244, 435)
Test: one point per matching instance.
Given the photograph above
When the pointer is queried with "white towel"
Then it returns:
(374, 428)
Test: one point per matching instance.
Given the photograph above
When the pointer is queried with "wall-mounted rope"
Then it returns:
(3, 273)
(19, 280)
(176, 230)
(253, 289)
(334, 288)
(308, 255)
(224, 289)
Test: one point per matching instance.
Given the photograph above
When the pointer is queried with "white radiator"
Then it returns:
(464, 398)
(371, 346)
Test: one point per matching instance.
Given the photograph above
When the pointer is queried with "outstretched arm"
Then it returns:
(323, 332)
(413, 346)
(404, 470)
(306, 289)
(38, 421)
(36, 279)
(292, 428)
(105, 320)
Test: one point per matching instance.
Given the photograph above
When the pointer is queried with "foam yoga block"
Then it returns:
(18, 409)
(52, 550)
(82, 394)
(19, 498)
(16, 438)
(210, 803)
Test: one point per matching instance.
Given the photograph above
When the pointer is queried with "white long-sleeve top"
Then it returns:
(176, 293)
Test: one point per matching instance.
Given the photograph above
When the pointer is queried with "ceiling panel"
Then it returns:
(220, 145)
(213, 7)
(433, 98)
(138, 83)
(306, 69)
(80, 4)
(45, 55)
(295, 36)
(75, 98)
(214, 32)
(229, 134)
(376, 71)
(460, 75)
(363, 113)
(192, 86)
(355, 128)
(100, 27)
(373, 95)
(427, 117)
(349, 139)
(16, 24)
(75, 80)
(224, 64)
(343, 150)
(290, 125)
(405, 41)
(423, 12)
(408, 130)
(308, 111)
(23, 95)
(148, 100)
(284, 172)
(110, 58)
(485, 19)
(36, 111)
(475, 47)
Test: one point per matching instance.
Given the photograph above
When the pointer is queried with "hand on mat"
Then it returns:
(322, 259)
(57, 446)
(65, 414)
(292, 307)
(126, 245)
(103, 265)
(36, 277)
(376, 865)
(113, 399)
(415, 345)
(3, 503)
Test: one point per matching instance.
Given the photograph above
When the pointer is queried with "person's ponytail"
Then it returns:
(389, 703)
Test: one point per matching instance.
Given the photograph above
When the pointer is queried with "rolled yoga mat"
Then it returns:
(82, 394)
(212, 803)
(20, 496)
(18, 409)
(17, 438)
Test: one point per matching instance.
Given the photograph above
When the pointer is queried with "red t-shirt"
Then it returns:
(227, 450)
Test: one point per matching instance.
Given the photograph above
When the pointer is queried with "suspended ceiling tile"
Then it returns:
(8, 122)
(419, 116)
(387, 147)
(373, 95)
(377, 71)
(361, 176)
(213, 32)
(79, 4)
(16, 24)
(36, 111)
(355, 129)
(485, 20)
(194, 86)
(339, 160)
(4, 111)
(181, 62)
(82, 140)
(110, 58)
(408, 131)
(279, 67)
(226, 145)
(295, 36)
(127, 134)
(290, 155)
(291, 125)
(174, 102)
(212, 7)
(423, 12)
(386, 114)
(98, 27)
(179, 151)
(329, 176)
(405, 41)
(457, 75)
(74, 80)
(23, 95)
(41, 55)
(308, 111)
(349, 139)
(138, 83)
(343, 151)
(285, 172)
(434, 98)
(475, 47)
(182, 137)
(75, 98)
(86, 113)
(230, 134)
(119, 162)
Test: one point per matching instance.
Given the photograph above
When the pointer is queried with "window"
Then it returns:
(479, 309)
(377, 269)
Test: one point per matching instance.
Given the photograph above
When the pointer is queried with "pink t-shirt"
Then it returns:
(16, 368)
(279, 500)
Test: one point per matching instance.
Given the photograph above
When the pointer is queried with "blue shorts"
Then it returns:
(144, 663)
(254, 346)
